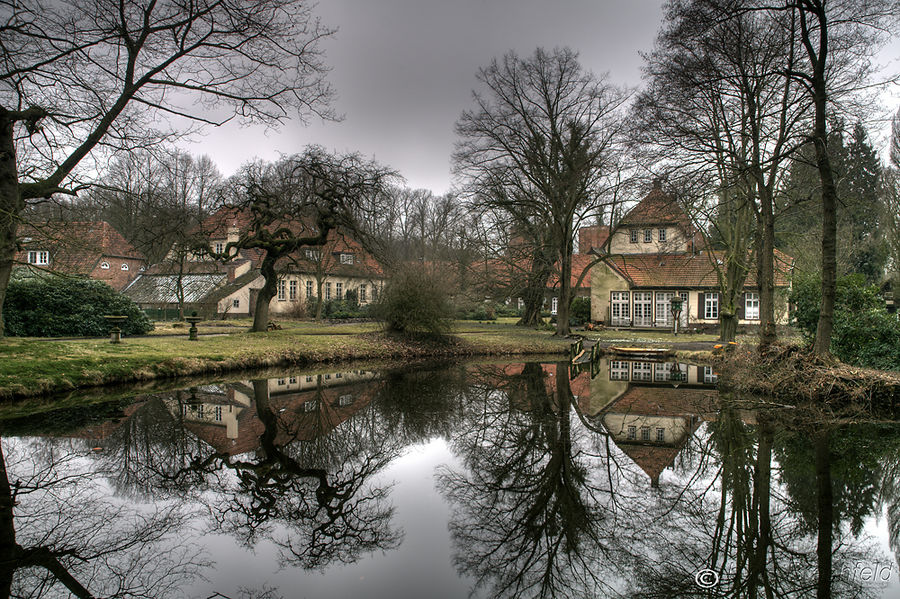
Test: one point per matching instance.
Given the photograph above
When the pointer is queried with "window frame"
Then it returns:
(661, 235)
(710, 306)
(751, 298)
(282, 296)
(38, 257)
(648, 235)
(634, 236)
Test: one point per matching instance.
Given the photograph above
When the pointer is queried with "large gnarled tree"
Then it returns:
(294, 204)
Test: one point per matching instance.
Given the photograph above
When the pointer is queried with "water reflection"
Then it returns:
(624, 479)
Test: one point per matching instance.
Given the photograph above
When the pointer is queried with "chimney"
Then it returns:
(230, 271)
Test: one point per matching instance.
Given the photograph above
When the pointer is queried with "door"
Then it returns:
(619, 313)
(643, 308)
(664, 309)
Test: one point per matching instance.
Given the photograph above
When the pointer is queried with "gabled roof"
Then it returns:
(657, 207)
(686, 270)
(76, 247)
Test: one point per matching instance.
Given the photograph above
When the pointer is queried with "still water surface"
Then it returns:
(631, 479)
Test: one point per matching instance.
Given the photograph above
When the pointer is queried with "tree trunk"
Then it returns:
(533, 296)
(320, 283)
(261, 314)
(728, 324)
(11, 205)
(822, 344)
(9, 549)
(565, 289)
(825, 515)
(766, 269)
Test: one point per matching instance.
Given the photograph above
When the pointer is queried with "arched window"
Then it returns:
(124, 266)
(104, 265)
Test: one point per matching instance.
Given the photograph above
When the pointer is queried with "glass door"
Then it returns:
(643, 308)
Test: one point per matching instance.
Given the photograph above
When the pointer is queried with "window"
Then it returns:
(281, 296)
(554, 305)
(327, 291)
(346, 258)
(309, 379)
(309, 291)
(339, 290)
(632, 433)
(711, 306)
(220, 247)
(660, 435)
(312, 255)
(648, 235)
(292, 291)
(124, 266)
(751, 306)
(345, 400)
(39, 257)
(218, 415)
(235, 303)
(310, 406)
(645, 433)
(280, 382)
(104, 265)
(363, 291)
(292, 380)
(200, 411)
(339, 375)
(662, 235)
(634, 236)
(709, 376)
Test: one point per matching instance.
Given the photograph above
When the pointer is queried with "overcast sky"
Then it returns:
(404, 70)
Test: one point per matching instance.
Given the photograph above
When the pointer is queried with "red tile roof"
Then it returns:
(592, 237)
(657, 208)
(686, 270)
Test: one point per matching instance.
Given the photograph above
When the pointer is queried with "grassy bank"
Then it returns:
(31, 367)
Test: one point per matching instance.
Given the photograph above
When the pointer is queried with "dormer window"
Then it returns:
(346, 258)
(662, 235)
(104, 265)
(124, 266)
(634, 236)
(648, 235)
(41, 258)
(220, 247)
(312, 255)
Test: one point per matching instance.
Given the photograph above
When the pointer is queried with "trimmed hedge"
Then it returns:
(55, 306)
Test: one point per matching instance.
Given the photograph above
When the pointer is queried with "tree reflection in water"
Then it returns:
(307, 487)
(530, 515)
(61, 534)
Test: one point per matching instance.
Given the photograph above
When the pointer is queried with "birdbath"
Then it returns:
(192, 332)
(676, 303)
(115, 333)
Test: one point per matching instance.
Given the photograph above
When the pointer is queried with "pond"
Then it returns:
(626, 479)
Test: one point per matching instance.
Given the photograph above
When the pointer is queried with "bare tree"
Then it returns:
(294, 204)
(77, 77)
(541, 144)
(724, 118)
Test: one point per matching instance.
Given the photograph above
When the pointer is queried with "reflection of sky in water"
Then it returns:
(421, 567)
(620, 506)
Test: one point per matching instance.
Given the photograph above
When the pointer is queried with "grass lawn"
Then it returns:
(31, 367)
